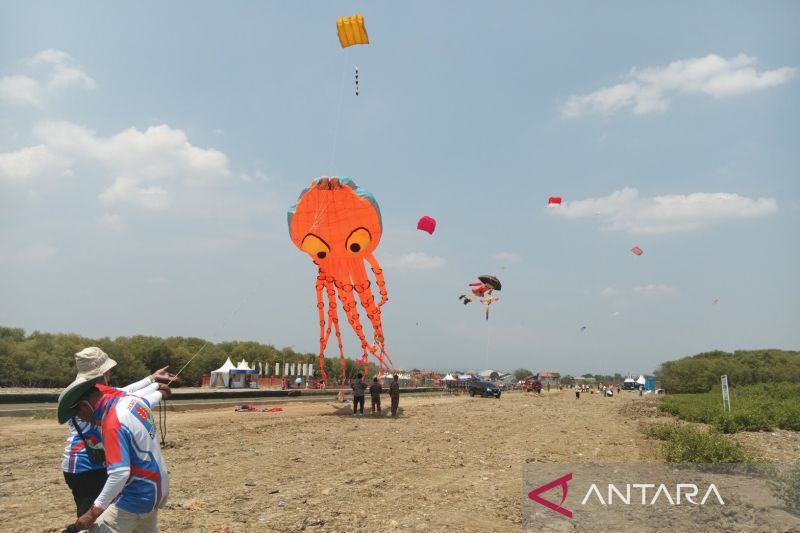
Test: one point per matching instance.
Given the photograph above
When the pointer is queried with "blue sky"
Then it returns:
(149, 153)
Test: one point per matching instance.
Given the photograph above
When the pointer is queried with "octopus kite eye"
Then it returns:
(315, 246)
(358, 240)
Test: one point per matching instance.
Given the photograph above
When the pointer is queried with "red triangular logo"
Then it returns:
(560, 482)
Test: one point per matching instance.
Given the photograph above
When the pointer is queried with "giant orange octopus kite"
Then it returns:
(339, 225)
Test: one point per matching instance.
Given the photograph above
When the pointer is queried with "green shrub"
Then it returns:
(760, 407)
(686, 444)
(786, 487)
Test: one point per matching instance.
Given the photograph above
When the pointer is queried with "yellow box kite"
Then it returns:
(351, 30)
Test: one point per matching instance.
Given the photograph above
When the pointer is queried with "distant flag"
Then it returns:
(554, 200)
(427, 223)
(637, 250)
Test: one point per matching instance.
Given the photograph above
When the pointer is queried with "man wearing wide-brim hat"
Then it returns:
(83, 462)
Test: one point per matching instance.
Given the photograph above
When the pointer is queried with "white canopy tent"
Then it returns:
(243, 365)
(221, 376)
(641, 380)
(449, 377)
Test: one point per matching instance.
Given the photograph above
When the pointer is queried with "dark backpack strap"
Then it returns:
(80, 433)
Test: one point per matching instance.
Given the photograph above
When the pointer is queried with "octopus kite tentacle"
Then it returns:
(373, 312)
(323, 336)
(376, 269)
(333, 317)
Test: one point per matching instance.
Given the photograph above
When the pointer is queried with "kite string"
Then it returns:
(332, 164)
(162, 408)
(213, 335)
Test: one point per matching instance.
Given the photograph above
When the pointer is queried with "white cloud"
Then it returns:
(416, 261)
(507, 257)
(62, 71)
(652, 289)
(130, 158)
(19, 89)
(127, 191)
(649, 90)
(655, 289)
(625, 210)
(39, 251)
(113, 221)
(156, 153)
(32, 161)
(609, 291)
(254, 176)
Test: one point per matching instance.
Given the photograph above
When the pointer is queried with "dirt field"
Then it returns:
(449, 463)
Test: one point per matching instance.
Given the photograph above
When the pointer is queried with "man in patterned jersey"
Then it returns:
(83, 476)
(137, 481)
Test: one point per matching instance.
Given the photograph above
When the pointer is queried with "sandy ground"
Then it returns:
(448, 463)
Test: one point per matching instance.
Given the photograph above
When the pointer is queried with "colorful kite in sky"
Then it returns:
(483, 288)
(637, 250)
(351, 30)
(338, 224)
(427, 223)
(554, 200)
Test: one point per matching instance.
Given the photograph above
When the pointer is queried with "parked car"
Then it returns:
(484, 388)
(532, 384)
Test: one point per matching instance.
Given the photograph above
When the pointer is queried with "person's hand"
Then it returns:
(88, 518)
(165, 391)
(162, 376)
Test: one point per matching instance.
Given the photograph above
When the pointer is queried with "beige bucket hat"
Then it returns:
(92, 362)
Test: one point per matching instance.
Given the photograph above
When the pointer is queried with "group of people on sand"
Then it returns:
(359, 387)
(112, 461)
(606, 389)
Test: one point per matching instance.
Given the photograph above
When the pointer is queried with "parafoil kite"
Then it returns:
(637, 250)
(427, 223)
(351, 30)
(554, 200)
(715, 301)
(338, 224)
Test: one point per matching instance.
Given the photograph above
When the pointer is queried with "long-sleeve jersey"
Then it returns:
(138, 481)
(75, 460)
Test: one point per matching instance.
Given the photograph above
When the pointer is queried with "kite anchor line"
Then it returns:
(162, 406)
(332, 164)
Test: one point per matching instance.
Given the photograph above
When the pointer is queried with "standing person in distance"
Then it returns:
(358, 395)
(394, 395)
(375, 391)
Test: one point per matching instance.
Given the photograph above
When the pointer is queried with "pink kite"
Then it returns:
(716, 301)
(637, 250)
(426, 223)
(554, 200)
